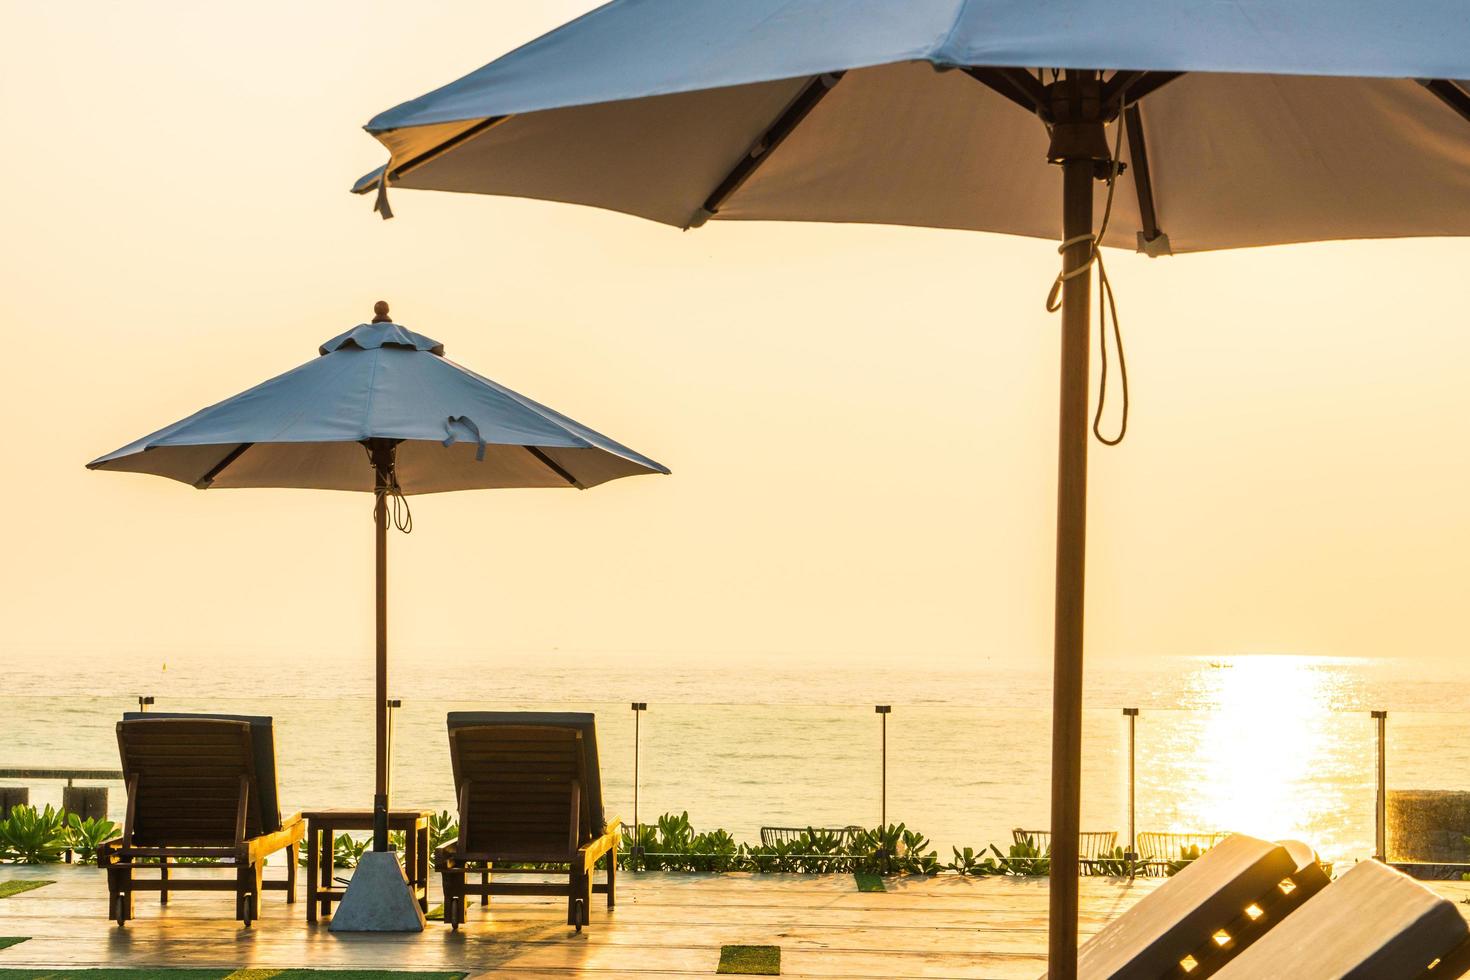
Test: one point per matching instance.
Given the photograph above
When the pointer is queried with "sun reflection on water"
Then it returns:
(1265, 750)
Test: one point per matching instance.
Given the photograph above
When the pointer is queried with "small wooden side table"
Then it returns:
(322, 827)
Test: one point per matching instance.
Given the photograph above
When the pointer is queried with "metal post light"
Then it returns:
(1380, 808)
(1132, 715)
(635, 853)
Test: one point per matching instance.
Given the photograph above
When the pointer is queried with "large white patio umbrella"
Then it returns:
(381, 410)
(1251, 122)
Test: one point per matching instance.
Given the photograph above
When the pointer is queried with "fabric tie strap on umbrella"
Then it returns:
(466, 422)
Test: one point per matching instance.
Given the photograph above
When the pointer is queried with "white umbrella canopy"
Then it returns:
(1250, 122)
(380, 410)
(310, 428)
(1261, 123)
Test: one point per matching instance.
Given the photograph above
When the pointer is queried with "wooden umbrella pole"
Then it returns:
(1077, 132)
(382, 457)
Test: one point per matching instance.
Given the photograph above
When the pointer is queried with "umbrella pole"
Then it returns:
(1078, 174)
(382, 464)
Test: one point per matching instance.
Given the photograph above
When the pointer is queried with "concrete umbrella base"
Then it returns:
(378, 898)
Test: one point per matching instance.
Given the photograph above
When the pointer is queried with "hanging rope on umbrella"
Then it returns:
(1106, 304)
(391, 495)
(401, 514)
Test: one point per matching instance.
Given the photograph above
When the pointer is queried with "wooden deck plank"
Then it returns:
(666, 925)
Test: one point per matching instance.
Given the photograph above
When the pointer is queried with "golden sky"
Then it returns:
(860, 420)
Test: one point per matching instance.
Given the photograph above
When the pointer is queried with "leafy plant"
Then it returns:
(346, 851)
(894, 848)
(968, 862)
(1114, 862)
(442, 827)
(31, 836)
(1187, 856)
(1024, 859)
(85, 835)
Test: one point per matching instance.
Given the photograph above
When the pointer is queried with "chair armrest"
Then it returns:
(290, 833)
(105, 849)
(445, 852)
(589, 853)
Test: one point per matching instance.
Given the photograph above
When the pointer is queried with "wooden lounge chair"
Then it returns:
(1372, 923)
(529, 793)
(199, 786)
(1206, 914)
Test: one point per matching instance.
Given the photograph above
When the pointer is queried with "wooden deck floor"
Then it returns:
(665, 925)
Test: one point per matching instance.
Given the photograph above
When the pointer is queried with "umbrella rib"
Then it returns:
(761, 150)
(1134, 85)
(1450, 94)
(394, 173)
(207, 480)
(1015, 84)
(1142, 181)
(552, 465)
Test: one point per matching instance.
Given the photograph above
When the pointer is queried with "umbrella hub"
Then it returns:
(1075, 112)
(380, 334)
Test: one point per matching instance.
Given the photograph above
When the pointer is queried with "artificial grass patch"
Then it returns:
(18, 885)
(867, 881)
(759, 961)
(8, 941)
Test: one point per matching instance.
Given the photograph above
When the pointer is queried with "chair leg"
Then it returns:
(248, 881)
(612, 875)
(451, 882)
(120, 890)
(485, 883)
(293, 858)
(579, 897)
(163, 877)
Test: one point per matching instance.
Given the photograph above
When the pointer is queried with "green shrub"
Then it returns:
(1187, 856)
(967, 862)
(442, 827)
(1024, 859)
(1114, 863)
(85, 835)
(31, 836)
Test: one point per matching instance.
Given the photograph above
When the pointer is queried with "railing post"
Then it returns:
(635, 853)
(1132, 715)
(1380, 809)
(144, 700)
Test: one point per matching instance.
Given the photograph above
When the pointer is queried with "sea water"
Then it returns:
(1277, 746)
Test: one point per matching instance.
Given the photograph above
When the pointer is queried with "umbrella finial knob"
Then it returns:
(380, 312)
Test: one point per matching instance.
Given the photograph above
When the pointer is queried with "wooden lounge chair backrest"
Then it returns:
(1213, 894)
(263, 751)
(1373, 922)
(514, 774)
(185, 777)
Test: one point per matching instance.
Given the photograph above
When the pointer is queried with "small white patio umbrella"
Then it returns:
(1250, 122)
(381, 410)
